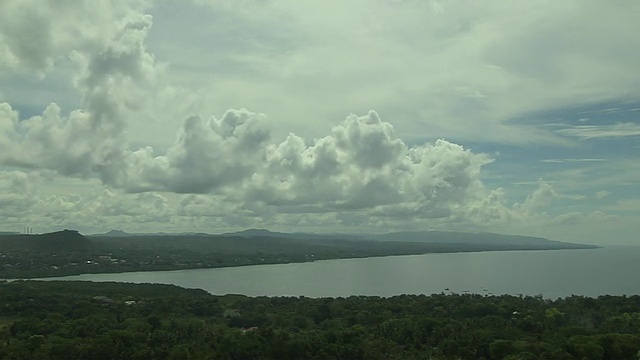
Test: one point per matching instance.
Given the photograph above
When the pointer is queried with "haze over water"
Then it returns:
(552, 274)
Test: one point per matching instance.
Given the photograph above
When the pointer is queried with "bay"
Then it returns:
(552, 274)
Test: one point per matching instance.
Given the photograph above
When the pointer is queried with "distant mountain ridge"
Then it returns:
(426, 237)
(120, 233)
(114, 233)
(469, 238)
(296, 235)
(430, 236)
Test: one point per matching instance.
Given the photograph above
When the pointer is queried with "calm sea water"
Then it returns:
(552, 274)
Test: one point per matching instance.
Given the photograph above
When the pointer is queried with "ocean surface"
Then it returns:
(552, 274)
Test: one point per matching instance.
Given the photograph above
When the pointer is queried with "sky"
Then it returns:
(514, 117)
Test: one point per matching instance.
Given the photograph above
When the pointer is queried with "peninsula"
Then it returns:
(68, 252)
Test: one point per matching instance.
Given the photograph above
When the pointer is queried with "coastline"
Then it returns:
(36, 274)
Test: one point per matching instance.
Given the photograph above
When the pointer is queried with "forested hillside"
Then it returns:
(74, 320)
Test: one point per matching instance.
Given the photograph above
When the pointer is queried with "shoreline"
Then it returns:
(46, 274)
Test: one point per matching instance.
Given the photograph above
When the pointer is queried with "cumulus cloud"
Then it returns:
(537, 200)
(360, 165)
(206, 155)
(363, 165)
(111, 79)
(361, 172)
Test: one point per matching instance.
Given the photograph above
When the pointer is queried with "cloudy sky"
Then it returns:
(517, 117)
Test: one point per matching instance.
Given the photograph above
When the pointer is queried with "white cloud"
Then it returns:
(572, 160)
(363, 165)
(588, 132)
(539, 199)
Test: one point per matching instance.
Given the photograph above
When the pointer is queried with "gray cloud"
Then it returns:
(16, 191)
(26, 200)
(449, 69)
(89, 141)
(35, 34)
(206, 155)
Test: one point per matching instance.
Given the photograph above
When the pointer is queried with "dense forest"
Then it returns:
(78, 320)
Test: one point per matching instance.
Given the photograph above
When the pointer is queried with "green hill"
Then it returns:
(65, 240)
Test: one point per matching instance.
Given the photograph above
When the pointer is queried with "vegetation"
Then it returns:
(77, 320)
(69, 253)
